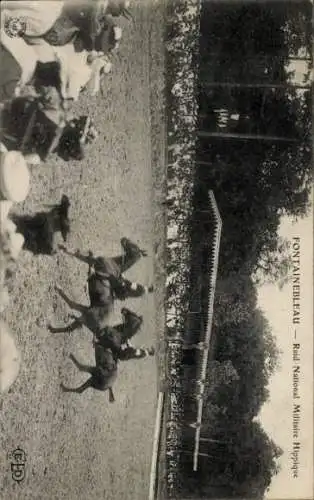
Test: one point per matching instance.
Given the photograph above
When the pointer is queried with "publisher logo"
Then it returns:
(17, 459)
(15, 27)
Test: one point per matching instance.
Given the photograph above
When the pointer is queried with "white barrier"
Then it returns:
(156, 445)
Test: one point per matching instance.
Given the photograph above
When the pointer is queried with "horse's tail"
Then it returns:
(108, 378)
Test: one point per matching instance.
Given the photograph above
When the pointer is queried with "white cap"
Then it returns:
(10, 359)
(14, 177)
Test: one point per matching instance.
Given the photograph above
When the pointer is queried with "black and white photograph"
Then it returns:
(156, 250)
(82, 243)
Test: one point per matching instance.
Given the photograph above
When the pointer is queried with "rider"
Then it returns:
(121, 287)
(117, 284)
(125, 351)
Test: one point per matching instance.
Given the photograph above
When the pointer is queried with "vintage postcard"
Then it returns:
(156, 244)
(82, 247)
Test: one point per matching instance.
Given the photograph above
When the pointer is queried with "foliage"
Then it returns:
(255, 182)
(181, 49)
(248, 459)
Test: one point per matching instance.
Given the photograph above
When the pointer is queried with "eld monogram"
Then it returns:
(15, 26)
(17, 459)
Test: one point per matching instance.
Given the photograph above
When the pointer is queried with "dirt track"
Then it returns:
(80, 446)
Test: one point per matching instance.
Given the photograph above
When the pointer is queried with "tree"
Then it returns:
(246, 460)
(275, 266)
(251, 348)
(251, 460)
(235, 297)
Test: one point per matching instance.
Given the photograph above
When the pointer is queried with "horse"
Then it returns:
(93, 317)
(114, 337)
(112, 265)
(39, 229)
(111, 346)
(103, 375)
(111, 269)
(96, 316)
(117, 338)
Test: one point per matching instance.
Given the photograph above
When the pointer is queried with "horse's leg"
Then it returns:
(81, 366)
(67, 329)
(71, 303)
(80, 389)
(90, 270)
(131, 254)
(87, 259)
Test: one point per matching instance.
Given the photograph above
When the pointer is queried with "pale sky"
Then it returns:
(276, 415)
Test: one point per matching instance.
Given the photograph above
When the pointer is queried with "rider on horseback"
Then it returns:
(121, 287)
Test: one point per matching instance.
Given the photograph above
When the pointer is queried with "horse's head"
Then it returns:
(132, 250)
(132, 321)
(100, 265)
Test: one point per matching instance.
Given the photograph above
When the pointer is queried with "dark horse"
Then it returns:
(117, 338)
(111, 346)
(93, 317)
(96, 316)
(39, 229)
(114, 337)
(108, 271)
(103, 375)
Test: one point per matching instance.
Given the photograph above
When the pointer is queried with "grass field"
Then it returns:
(80, 446)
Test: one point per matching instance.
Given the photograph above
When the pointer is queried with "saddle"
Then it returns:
(116, 284)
